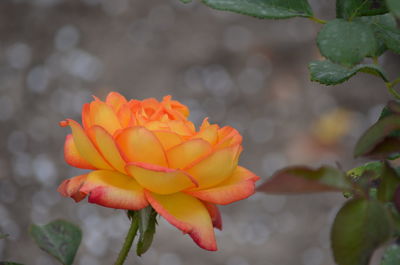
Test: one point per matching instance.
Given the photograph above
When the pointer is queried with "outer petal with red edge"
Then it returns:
(215, 168)
(239, 186)
(188, 214)
(72, 155)
(84, 145)
(114, 190)
(160, 180)
(70, 188)
(215, 215)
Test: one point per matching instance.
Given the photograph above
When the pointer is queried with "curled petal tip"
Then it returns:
(63, 123)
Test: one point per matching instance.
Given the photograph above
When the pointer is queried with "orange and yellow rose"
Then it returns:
(148, 152)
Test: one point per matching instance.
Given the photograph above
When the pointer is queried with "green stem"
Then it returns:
(123, 254)
(320, 21)
(392, 90)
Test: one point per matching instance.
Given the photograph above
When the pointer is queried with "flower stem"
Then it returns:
(320, 21)
(123, 254)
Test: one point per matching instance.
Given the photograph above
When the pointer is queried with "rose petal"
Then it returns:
(72, 156)
(186, 153)
(86, 120)
(114, 190)
(238, 187)
(187, 214)
(210, 134)
(103, 115)
(85, 147)
(228, 136)
(180, 127)
(168, 139)
(70, 188)
(215, 215)
(159, 179)
(140, 145)
(115, 100)
(108, 148)
(216, 167)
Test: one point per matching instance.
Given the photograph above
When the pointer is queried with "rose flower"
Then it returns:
(147, 152)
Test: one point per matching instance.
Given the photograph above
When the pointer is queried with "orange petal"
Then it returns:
(228, 136)
(215, 215)
(140, 145)
(181, 127)
(239, 186)
(85, 147)
(72, 156)
(186, 153)
(159, 179)
(115, 100)
(187, 214)
(103, 115)
(216, 167)
(210, 134)
(86, 120)
(114, 190)
(70, 188)
(108, 148)
(125, 116)
(168, 139)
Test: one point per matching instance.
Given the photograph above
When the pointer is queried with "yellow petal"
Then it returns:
(159, 179)
(72, 155)
(115, 100)
(210, 134)
(108, 148)
(138, 144)
(168, 139)
(186, 153)
(85, 147)
(216, 167)
(187, 214)
(114, 190)
(237, 187)
(103, 115)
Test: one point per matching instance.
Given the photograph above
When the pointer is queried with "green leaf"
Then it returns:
(346, 42)
(59, 238)
(390, 36)
(394, 7)
(377, 141)
(301, 179)
(374, 21)
(147, 228)
(375, 167)
(329, 73)
(185, 1)
(264, 8)
(354, 8)
(391, 256)
(389, 182)
(359, 228)
(9, 263)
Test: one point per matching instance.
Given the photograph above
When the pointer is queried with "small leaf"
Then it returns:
(301, 179)
(375, 167)
(353, 8)
(147, 228)
(390, 36)
(377, 141)
(329, 73)
(346, 42)
(389, 182)
(264, 8)
(391, 256)
(394, 7)
(359, 228)
(59, 238)
(373, 21)
(9, 263)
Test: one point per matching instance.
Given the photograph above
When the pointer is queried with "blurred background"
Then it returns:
(238, 70)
